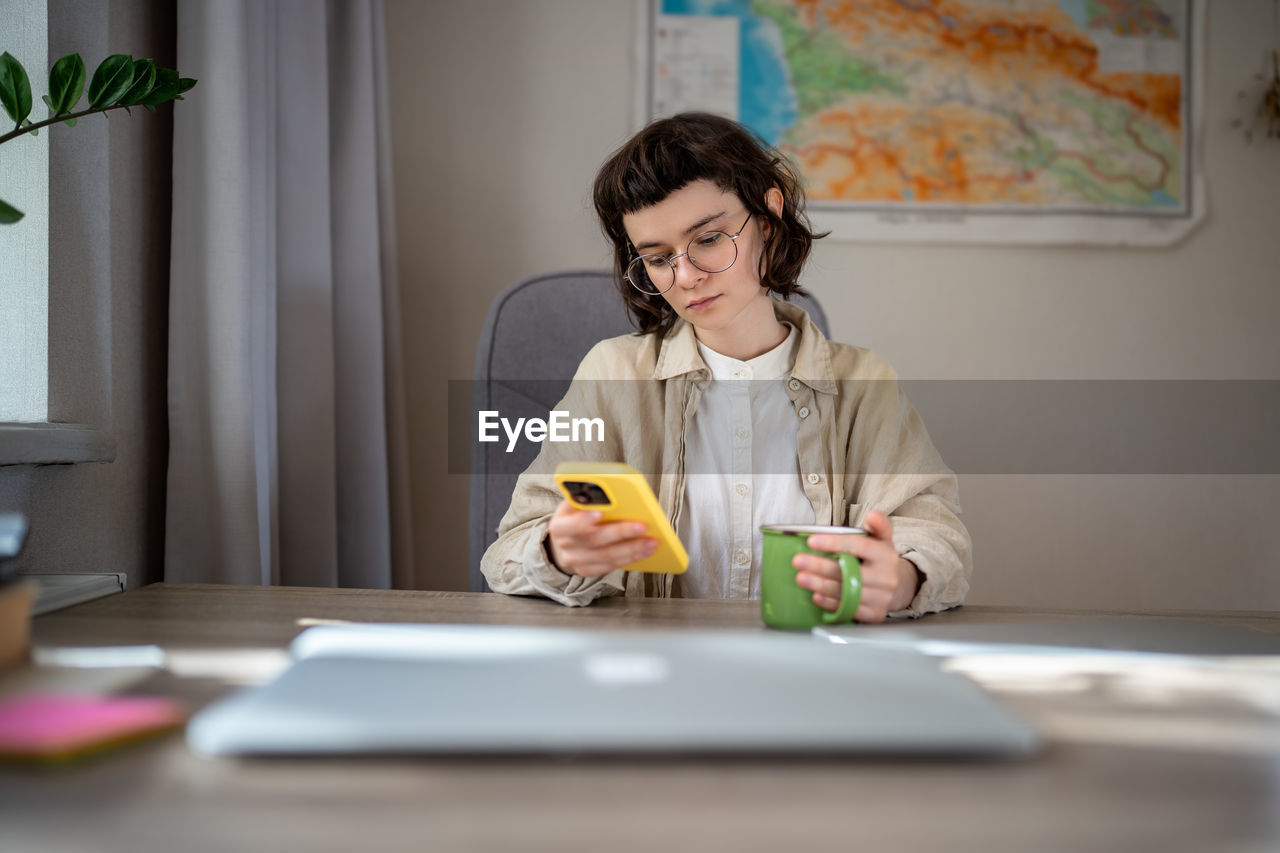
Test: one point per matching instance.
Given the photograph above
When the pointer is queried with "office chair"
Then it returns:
(534, 336)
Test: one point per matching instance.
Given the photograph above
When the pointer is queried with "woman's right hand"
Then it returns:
(581, 544)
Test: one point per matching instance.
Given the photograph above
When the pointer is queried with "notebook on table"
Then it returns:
(1136, 635)
(433, 689)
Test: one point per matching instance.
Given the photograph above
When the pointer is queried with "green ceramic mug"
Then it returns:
(783, 603)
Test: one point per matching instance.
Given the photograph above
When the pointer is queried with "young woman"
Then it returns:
(732, 403)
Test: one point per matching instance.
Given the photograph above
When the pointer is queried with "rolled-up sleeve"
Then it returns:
(517, 563)
(897, 470)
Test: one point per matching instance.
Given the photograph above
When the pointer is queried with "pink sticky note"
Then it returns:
(55, 725)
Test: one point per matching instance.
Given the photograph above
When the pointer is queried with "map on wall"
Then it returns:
(1050, 121)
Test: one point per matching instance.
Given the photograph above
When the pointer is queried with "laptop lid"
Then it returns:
(478, 689)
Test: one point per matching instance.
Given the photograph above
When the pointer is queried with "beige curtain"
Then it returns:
(286, 438)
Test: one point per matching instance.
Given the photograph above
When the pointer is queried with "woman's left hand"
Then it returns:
(889, 582)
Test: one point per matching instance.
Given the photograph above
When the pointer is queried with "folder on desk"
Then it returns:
(479, 689)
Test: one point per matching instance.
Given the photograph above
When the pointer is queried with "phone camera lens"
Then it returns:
(586, 494)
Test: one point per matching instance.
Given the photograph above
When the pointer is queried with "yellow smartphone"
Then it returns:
(621, 493)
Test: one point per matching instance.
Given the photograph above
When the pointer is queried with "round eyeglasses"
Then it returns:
(710, 251)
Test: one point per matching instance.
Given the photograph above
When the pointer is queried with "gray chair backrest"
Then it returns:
(536, 333)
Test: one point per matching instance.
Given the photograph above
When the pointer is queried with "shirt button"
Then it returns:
(743, 433)
(814, 479)
(740, 557)
(804, 412)
(794, 384)
(742, 489)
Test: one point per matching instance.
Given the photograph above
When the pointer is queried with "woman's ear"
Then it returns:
(773, 200)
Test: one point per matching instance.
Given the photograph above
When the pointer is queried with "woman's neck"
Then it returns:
(744, 344)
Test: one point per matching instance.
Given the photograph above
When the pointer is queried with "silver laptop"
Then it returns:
(402, 689)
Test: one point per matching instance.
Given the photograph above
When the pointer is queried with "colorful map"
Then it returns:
(970, 106)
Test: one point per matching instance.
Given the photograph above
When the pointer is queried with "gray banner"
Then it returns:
(1129, 427)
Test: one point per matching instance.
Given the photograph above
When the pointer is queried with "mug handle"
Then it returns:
(850, 587)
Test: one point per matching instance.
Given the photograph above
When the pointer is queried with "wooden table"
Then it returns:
(1109, 793)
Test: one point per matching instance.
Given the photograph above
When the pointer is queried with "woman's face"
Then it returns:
(727, 302)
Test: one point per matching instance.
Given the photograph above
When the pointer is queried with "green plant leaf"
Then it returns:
(144, 77)
(166, 88)
(9, 214)
(48, 103)
(15, 89)
(186, 84)
(66, 84)
(71, 122)
(111, 80)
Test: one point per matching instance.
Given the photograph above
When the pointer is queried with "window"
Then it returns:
(24, 247)
(57, 352)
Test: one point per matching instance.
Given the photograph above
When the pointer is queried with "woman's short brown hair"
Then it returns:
(671, 153)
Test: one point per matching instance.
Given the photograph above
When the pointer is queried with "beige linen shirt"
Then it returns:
(860, 446)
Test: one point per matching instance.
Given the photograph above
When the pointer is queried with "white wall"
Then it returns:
(502, 113)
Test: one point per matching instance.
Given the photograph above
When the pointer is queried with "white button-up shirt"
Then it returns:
(741, 471)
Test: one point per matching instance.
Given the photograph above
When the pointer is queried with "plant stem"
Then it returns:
(18, 131)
